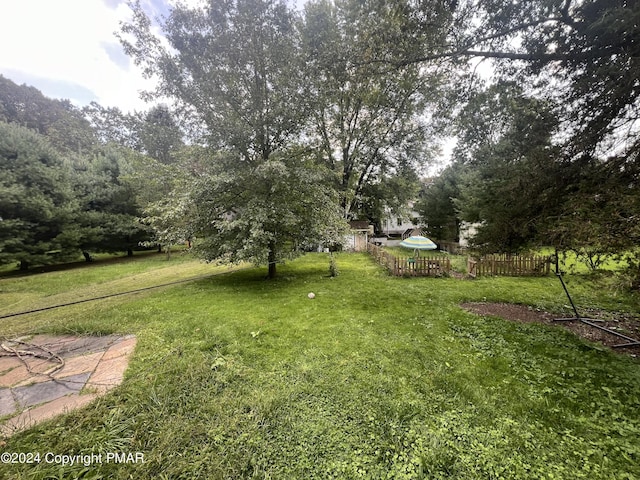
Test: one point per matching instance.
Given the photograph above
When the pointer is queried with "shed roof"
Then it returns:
(359, 225)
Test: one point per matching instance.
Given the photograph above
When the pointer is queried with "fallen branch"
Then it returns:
(48, 355)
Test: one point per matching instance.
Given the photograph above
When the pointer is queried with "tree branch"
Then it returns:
(468, 52)
(479, 53)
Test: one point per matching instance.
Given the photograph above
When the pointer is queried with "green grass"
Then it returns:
(35, 291)
(570, 262)
(376, 377)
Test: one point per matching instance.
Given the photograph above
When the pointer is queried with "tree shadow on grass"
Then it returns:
(297, 272)
(60, 267)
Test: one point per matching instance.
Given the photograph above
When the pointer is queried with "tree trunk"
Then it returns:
(272, 260)
(24, 265)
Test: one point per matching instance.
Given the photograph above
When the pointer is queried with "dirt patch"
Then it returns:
(624, 324)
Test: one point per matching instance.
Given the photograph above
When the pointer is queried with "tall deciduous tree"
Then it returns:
(369, 121)
(111, 125)
(160, 134)
(283, 206)
(235, 65)
(155, 133)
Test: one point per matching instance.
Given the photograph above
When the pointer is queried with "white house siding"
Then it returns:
(467, 232)
(395, 225)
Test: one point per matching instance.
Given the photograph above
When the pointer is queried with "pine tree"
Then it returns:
(38, 211)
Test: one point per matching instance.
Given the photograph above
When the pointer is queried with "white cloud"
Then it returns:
(67, 48)
(72, 43)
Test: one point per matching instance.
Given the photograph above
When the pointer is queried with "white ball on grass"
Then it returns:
(311, 295)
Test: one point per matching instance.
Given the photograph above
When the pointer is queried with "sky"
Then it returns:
(67, 49)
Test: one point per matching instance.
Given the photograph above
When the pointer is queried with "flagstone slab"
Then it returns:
(44, 390)
(33, 416)
(72, 366)
(8, 362)
(47, 391)
(71, 345)
(124, 347)
(50, 343)
(80, 364)
(7, 403)
(14, 376)
(108, 374)
(37, 370)
(87, 345)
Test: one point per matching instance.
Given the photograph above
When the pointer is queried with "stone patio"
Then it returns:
(45, 376)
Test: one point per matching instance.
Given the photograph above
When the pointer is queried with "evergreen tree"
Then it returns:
(436, 204)
(38, 211)
(108, 203)
(512, 182)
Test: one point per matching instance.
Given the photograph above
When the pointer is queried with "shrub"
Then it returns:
(333, 266)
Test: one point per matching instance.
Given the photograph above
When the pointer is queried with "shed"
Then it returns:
(359, 233)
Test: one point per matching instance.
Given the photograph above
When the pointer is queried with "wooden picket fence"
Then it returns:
(488, 265)
(509, 265)
(410, 266)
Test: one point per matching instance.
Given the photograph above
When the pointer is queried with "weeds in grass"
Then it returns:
(333, 266)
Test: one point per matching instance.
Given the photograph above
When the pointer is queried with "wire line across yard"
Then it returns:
(117, 294)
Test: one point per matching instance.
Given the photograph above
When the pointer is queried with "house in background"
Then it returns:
(467, 232)
(401, 226)
(396, 228)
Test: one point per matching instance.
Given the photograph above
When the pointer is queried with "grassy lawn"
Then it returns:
(376, 377)
(33, 291)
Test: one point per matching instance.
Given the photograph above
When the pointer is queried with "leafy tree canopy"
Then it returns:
(267, 214)
(236, 66)
(582, 54)
(370, 122)
(114, 126)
